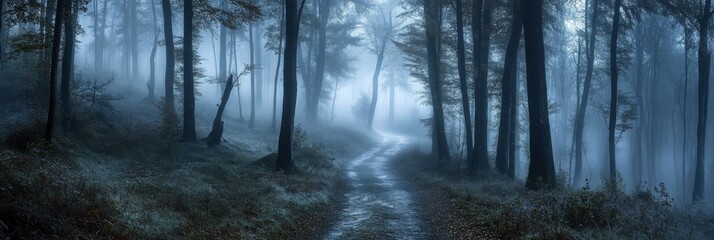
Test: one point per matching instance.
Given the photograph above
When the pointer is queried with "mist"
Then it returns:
(356, 119)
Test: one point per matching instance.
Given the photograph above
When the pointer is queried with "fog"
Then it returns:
(107, 62)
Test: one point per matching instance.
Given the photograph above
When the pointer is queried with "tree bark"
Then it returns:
(639, 78)
(481, 161)
(541, 171)
(170, 54)
(68, 64)
(508, 93)
(99, 37)
(277, 67)
(222, 36)
(189, 118)
(687, 35)
(134, 41)
(56, 41)
(375, 81)
(152, 62)
(612, 127)
(431, 12)
(251, 123)
(258, 50)
(325, 9)
(463, 82)
(216, 135)
(704, 61)
(284, 162)
(580, 115)
(391, 99)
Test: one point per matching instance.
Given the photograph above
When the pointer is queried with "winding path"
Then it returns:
(378, 204)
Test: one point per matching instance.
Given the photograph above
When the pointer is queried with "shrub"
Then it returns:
(20, 140)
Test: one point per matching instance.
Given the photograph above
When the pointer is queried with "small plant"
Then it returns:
(168, 128)
(299, 138)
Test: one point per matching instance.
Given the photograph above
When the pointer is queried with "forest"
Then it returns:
(356, 119)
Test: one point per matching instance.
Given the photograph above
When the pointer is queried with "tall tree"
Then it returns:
(541, 170)
(258, 51)
(481, 23)
(54, 62)
(697, 14)
(381, 30)
(251, 123)
(189, 118)
(508, 93)
(285, 142)
(580, 114)
(463, 82)
(222, 65)
(433, 29)
(100, 21)
(170, 54)
(613, 91)
(152, 58)
(704, 68)
(68, 62)
(639, 80)
(324, 18)
(277, 67)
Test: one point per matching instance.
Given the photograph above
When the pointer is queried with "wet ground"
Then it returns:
(379, 205)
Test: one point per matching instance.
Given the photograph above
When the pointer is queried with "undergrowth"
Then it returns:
(42, 197)
(504, 209)
(127, 179)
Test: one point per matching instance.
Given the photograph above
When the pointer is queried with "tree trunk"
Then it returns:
(67, 64)
(56, 41)
(251, 123)
(463, 82)
(99, 37)
(126, 40)
(580, 115)
(687, 35)
(541, 171)
(513, 133)
(325, 9)
(134, 41)
(481, 161)
(170, 54)
(375, 82)
(235, 61)
(152, 62)
(391, 99)
(189, 119)
(334, 100)
(508, 93)
(277, 67)
(704, 60)
(285, 151)
(216, 135)
(431, 12)
(222, 36)
(258, 48)
(613, 93)
(47, 35)
(639, 77)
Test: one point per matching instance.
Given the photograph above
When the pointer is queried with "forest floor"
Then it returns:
(125, 178)
(493, 207)
(121, 178)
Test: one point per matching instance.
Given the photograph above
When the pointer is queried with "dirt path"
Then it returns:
(379, 204)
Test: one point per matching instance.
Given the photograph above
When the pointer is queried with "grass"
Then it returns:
(494, 207)
(120, 179)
